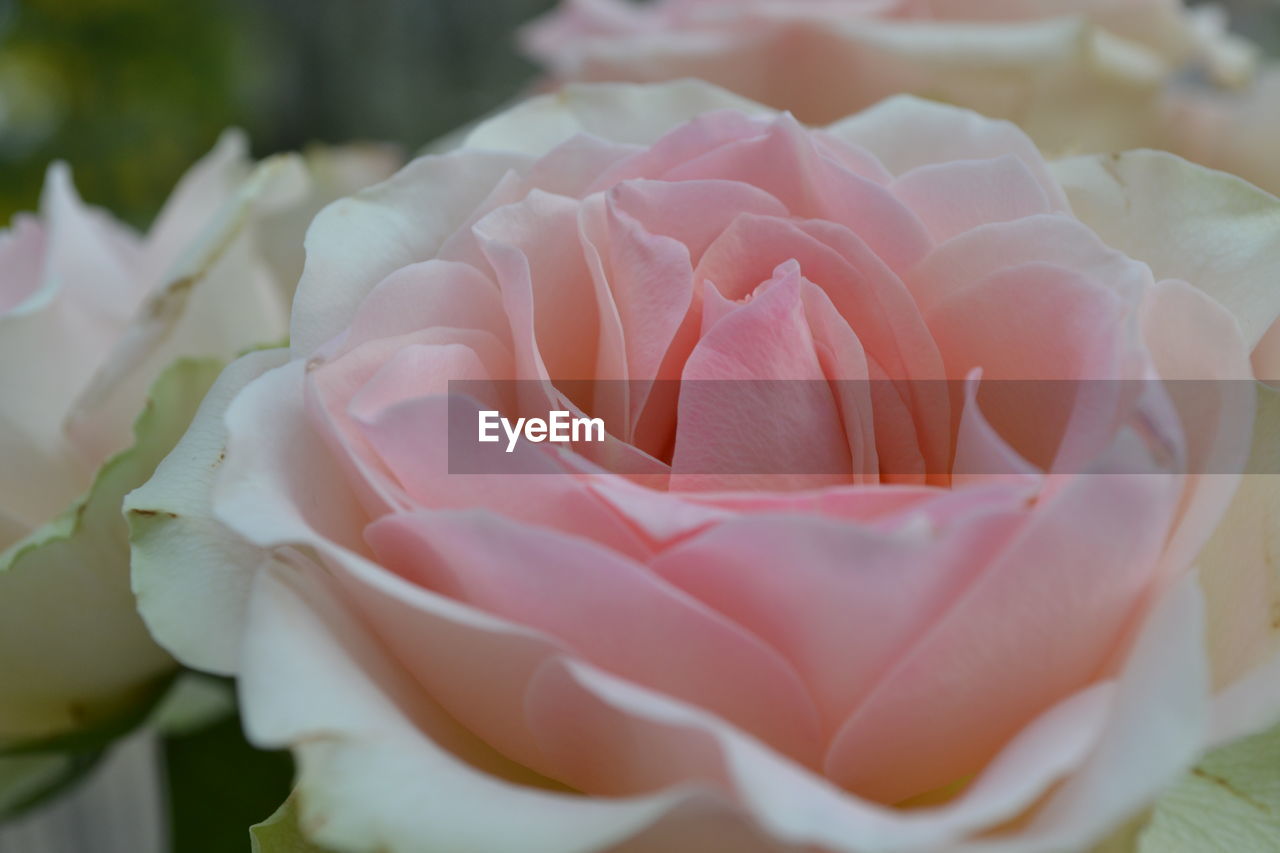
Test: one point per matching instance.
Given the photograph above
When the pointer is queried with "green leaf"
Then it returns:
(1230, 803)
(280, 833)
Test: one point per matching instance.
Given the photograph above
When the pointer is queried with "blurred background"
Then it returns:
(130, 92)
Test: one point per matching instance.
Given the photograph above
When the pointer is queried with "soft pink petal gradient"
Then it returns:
(759, 355)
(829, 583)
(606, 610)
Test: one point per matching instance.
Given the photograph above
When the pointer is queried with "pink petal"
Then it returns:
(839, 601)
(537, 257)
(759, 358)
(426, 294)
(787, 164)
(955, 197)
(605, 609)
(981, 252)
(987, 666)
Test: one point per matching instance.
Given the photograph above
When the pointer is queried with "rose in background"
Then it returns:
(108, 341)
(964, 628)
(1077, 75)
(1237, 131)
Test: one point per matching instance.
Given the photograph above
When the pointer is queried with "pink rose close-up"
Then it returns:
(822, 587)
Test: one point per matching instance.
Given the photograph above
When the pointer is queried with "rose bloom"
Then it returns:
(928, 624)
(1077, 75)
(91, 313)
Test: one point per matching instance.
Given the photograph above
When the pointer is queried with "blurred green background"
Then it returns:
(131, 92)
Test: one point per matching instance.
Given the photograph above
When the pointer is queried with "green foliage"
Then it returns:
(130, 92)
(218, 785)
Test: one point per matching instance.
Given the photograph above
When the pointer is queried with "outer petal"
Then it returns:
(358, 241)
(1241, 581)
(333, 172)
(907, 132)
(72, 647)
(204, 189)
(368, 743)
(86, 292)
(1195, 344)
(1157, 725)
(1230, 803)
(945, 706)
(22, 250)
(1208, 228)
(617, 112)
(219, 301)
(952, 198)
(191, 576)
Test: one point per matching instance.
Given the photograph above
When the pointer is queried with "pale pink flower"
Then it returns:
(935, 623)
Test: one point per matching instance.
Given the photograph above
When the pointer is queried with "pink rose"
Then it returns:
(1077, 75)
(92, 314)
(988, 613)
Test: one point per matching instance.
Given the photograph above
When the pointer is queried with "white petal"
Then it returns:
(1241, 582)
(72, 648)
(356, 242)
(1187, 222)
(219, 301)
(202, 191)
(617, 112)
(191, 576)
(906, 132)
(371, 775)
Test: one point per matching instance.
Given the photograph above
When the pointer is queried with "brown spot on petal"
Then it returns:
(152, 513)
(1229, 788)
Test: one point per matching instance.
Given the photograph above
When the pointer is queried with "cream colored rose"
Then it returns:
(92, 315)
